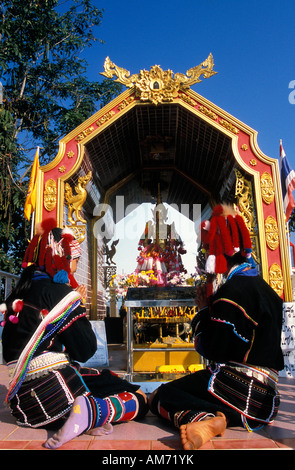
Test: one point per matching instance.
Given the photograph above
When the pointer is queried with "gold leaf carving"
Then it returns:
(125, 103)
(105, 118)
(208, 112)
(158, 85)
(187, 99)
(84, 134)
(271, 232)
(50, 195)
(229, 126)
(267, 188)
(276, 279)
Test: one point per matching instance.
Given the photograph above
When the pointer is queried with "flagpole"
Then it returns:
(32, 224)
(33, 214)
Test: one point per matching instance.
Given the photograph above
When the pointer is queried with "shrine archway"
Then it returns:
(199, 153)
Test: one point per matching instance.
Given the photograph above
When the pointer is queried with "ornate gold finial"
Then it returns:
(158, 85)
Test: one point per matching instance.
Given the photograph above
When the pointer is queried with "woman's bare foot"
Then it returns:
(194, 435)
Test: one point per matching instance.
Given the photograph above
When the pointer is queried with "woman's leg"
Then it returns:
(89, 413)
(188, 405)
(187, 399)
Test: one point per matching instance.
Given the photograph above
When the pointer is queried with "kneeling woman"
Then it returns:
(46, 335)
(238, 330)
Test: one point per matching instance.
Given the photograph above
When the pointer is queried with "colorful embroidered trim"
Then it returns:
(115, 408)
(223, 299)
(49, 325)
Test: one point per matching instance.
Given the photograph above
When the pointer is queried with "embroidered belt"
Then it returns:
(41, 365)
(262, 374)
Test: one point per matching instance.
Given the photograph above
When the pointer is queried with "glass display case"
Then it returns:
(159, 339)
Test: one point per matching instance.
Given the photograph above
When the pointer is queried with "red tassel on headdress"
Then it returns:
(46, 226)
(225, 236)
(234, 232)
(67, 238)
(35, 252)
(73, 283)
(220, 261)
(219, 238)
(42, 254)
(61, 263)
(49, 264)
(246, 239)
(217, 211)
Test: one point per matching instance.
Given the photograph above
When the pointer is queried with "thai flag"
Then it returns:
(288, 183)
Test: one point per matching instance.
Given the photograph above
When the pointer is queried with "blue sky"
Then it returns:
(252, 44)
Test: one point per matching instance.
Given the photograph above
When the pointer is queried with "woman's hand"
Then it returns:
(82, 291)
(201, 299)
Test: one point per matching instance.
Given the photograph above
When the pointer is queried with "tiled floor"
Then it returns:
(152, 434)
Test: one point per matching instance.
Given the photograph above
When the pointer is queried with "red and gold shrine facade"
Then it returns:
(160, 131)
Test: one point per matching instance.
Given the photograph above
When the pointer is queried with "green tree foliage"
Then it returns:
(46, 94)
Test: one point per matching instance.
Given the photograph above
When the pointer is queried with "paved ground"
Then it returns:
(152, 434)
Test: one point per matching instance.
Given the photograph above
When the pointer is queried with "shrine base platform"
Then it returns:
(150, 357)
(152, 435)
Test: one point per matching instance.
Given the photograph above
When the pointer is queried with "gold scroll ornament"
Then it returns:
(271, 232)
(50, 195)
(75, 203)
(158, 85)
(267, 188)
(276, 279)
